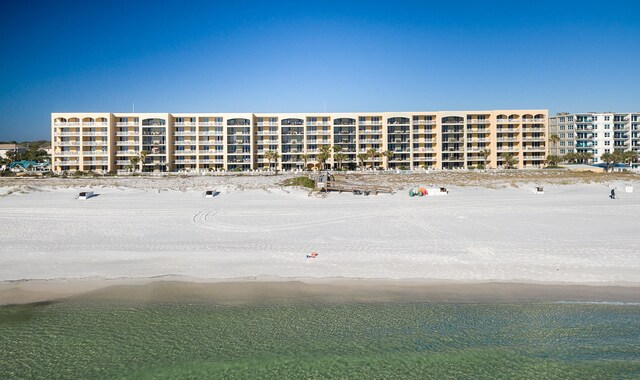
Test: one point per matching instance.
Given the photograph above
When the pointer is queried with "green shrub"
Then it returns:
(300, 181)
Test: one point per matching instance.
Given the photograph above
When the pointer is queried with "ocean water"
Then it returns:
(80, 340)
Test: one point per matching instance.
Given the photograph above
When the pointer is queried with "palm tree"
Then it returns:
(339, 157)
(570, 158)
(387, 154)
(271, 155)
(134, 162)
(585, 157)
(372, 153)
(485, 153)
(553, 160)
(323, 156)
(143, 156)
(554, 139)
(629, 157)
(362, 157)
(305, 158)
(608, 159)
(509, 159)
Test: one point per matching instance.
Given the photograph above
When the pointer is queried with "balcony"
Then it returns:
(542, 121)
(67, 163)
(103, 134)
(127, 123)
(133, 133)
(508, 121)
(478, 121)
(96, 162)
(185, 133)
(185, 161)
(267, 133)
(267, 124)
(184, 124)
(128, 152)
(66, 124)
(67, 154)
(501, 139)
(424, 122)
(183, 152)
(369, 122)
(129, 142)
(323, 123)
(95, 124)
(210, 124)
(185, 142)
(210, 133)
(67, 133)
(95, 143)
(95, 153)
(212, 161)
(67, 143)
(218, 151)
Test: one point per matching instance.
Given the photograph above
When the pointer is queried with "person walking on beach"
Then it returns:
(613, 194)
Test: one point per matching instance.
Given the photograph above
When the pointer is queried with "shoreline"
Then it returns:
(183, 289)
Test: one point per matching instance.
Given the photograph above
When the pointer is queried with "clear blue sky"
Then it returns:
(288, 56)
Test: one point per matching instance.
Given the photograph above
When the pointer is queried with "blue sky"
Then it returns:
(291, 56)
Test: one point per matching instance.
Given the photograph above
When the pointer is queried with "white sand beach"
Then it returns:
(572, 234)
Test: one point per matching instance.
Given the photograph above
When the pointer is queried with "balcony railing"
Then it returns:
(67, 133)
(67, 154)
(128, 152)
(185, 133)
(211, 124)
(103, 134)
(68, 143)
(210, 133)
(185, 124)
(212, 161)
(131, 133)
(95, 153)
(424, 122)
(127, 123)
(128, 142)
(185, 161)
(508, 121)
(94, 143)
(66, 124)
(96, 162)
(67, 163)
(219, 151)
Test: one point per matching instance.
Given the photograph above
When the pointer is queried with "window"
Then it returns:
(607, 134)
(607, 118)
(607, 143)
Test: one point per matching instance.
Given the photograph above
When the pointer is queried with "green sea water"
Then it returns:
(374, 340)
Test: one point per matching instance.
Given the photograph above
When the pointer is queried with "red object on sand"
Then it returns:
(312, 255)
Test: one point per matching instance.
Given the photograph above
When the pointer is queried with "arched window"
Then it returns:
(344, 121)
(501, 117)
(452, 120)
(238, 121)
(398, 120)
(154, 122)
(292, 122)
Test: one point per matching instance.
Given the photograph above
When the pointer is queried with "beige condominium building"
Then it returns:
(113, 142)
